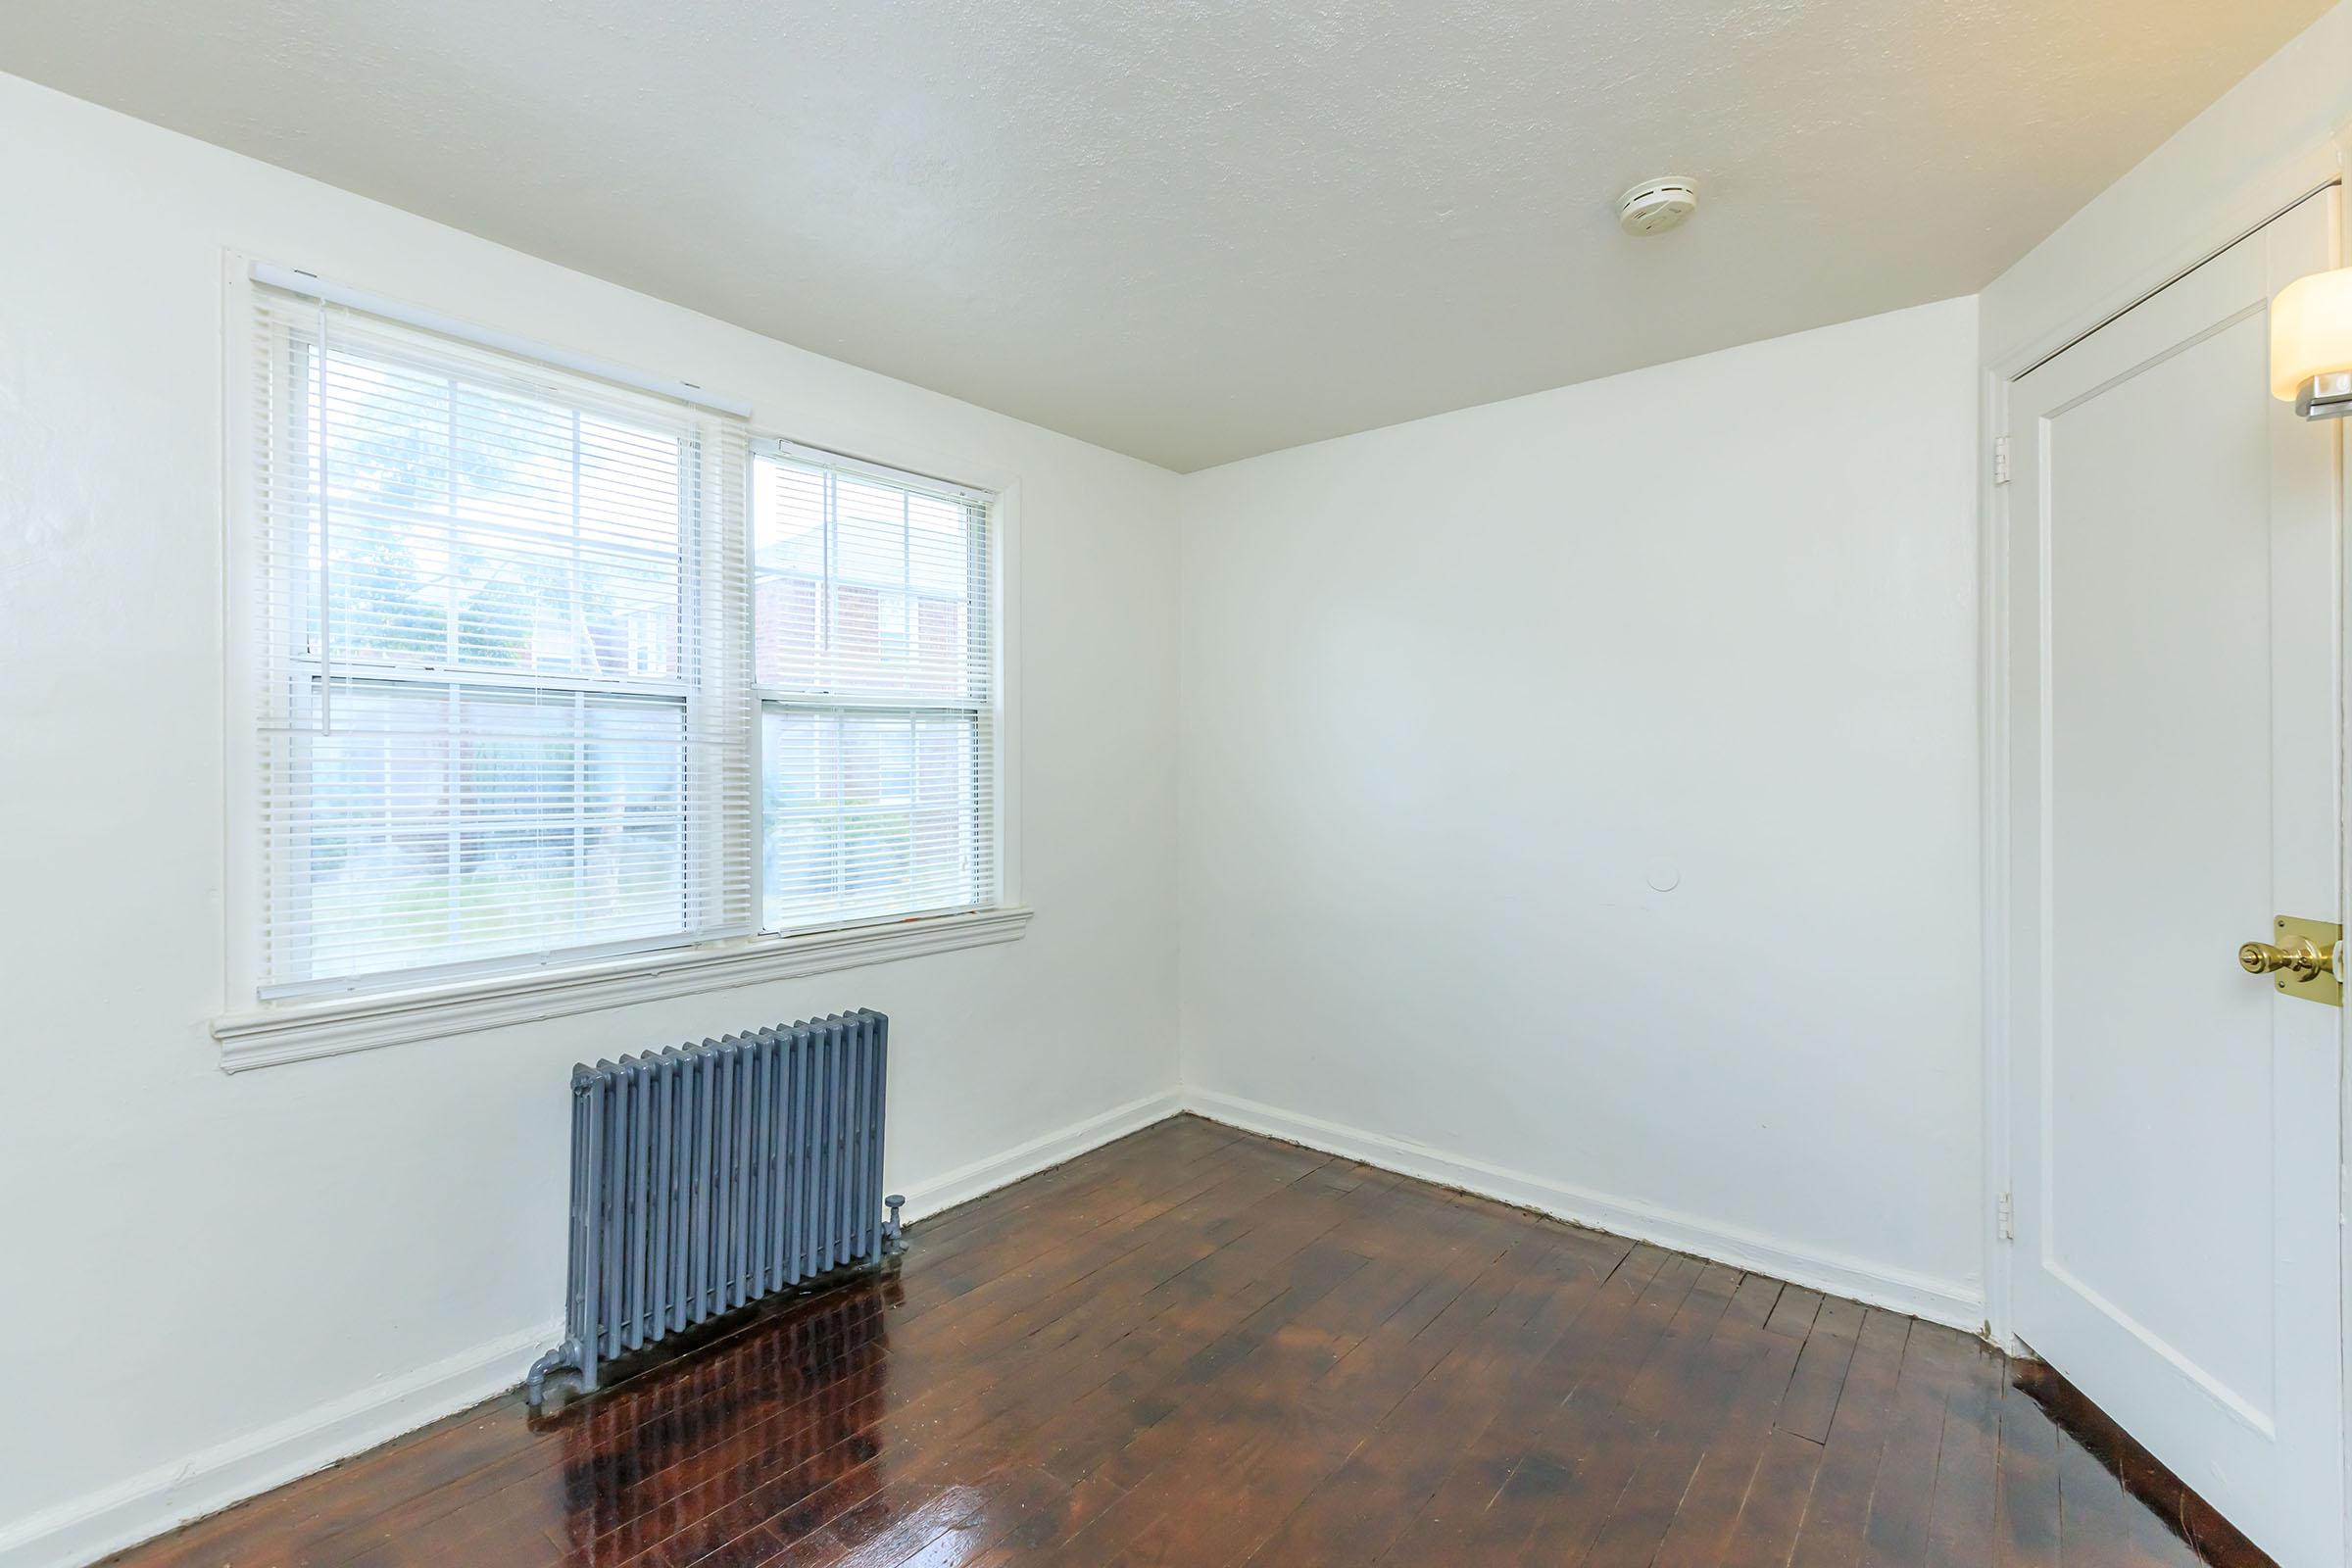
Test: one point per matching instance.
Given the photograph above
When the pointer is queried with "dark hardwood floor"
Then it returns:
(1197, 1347)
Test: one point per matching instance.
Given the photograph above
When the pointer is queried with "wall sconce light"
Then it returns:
(2311, 345)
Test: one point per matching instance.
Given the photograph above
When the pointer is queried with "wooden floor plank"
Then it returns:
(1904, 1488)
(1352, 1514)
(1736, 1442)
(1555, 1484)
(1962, 1517)
(1461, 1520)
(1837, 1513)
(1813, 1393)
(2094, 1528)
(1614, 1442)
(1701, 1391)
(1258, 1451)
(1794, 1313)
(1377, 1438)
(1197, 1347)
(2027, 1516)
(1774, 1509)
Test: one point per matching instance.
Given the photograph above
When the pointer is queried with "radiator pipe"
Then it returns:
(564, 1356)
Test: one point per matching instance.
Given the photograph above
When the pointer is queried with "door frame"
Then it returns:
(2261, 199)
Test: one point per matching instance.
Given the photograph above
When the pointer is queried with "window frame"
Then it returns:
(992, 716)
(405, 1007)
(289, 674)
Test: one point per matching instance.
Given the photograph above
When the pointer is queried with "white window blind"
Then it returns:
(502, 712)
(875, 663)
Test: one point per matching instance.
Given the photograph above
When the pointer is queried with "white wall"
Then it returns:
(212, 1282)
(1453, 691)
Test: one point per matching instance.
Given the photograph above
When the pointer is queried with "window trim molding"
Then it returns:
(999, 495)
(245, 874)
(303, 1031)
(822, 430)
(310, 285)
(257, 1034)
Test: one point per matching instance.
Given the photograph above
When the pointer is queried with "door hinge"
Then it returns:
(2005, 1211)
(2000, 460)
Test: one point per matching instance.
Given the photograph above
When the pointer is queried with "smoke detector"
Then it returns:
(1656, 205)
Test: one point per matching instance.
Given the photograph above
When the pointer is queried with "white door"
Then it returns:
(2172, 582)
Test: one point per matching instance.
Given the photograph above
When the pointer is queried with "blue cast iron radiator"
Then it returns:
(706, 1177)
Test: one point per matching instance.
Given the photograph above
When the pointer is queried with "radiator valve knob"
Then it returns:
(894, 1203)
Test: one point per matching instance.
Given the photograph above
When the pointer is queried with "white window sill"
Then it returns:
(299, 1031)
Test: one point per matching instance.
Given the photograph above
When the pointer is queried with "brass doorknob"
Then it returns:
(2308, 960)
(2301, 958)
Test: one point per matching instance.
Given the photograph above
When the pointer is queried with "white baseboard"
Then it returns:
(84, 1529)
(967, 1182)
(1950, 1301)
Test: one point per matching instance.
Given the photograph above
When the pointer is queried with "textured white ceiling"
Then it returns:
(1199, 230)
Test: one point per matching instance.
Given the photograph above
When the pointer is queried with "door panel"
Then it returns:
(2174, 594)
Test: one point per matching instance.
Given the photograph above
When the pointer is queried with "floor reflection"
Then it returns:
(2087, 1430)
(757, 1427)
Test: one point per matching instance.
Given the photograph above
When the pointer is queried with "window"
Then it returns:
(503, 714)
(550, 669)
(875, 665)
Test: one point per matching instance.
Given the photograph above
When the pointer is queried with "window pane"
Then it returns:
(388, 457)
(788, 572)
(445, 821)
(871, 813)
(784, 614)
(867, 589)
(472, 527)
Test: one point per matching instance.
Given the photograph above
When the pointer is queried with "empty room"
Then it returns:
(1064, 783)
